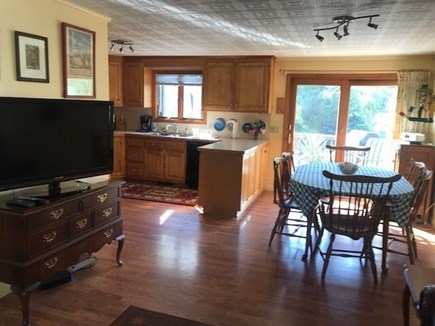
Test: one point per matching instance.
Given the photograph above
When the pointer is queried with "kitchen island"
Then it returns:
(232, 174)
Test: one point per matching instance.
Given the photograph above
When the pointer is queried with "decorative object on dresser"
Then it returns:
(43, 240)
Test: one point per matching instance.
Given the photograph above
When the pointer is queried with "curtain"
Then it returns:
(409, 82)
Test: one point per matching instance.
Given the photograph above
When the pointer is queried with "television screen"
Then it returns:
(53, 140)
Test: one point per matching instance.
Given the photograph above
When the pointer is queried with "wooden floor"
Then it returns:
(220, 272)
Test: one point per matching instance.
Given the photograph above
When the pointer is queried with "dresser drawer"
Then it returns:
(153, 144)
(80, 224)
(53, 214)
(47, 239)
(107, 213)
(101, 197)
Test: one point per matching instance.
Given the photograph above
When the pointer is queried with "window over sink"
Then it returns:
(179, 96)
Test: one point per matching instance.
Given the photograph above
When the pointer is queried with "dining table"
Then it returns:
(308, 184)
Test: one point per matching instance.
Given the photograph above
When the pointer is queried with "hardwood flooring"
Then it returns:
(221, 272)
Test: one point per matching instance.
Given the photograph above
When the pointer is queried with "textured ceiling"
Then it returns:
(283, 28)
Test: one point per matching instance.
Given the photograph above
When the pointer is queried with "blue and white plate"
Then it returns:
(219, 124)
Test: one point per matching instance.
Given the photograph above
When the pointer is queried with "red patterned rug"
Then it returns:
(161, 193)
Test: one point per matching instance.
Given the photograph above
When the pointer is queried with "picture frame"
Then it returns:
(78, 47)
(31, 56)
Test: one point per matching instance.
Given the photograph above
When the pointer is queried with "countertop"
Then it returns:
(232, 145)
(185, 138)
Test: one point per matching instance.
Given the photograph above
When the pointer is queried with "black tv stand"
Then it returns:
(58, 189)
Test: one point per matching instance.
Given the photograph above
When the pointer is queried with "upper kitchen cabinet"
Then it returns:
(136, 83)
(238, 84)
(115, 80)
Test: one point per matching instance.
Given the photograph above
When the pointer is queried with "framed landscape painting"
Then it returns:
(31, 53)
(78, 47)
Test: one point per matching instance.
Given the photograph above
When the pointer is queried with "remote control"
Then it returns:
(21, 202)
(35, 199)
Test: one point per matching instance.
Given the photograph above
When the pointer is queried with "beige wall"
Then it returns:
(43, 18)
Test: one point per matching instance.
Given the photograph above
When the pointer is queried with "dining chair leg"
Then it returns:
(282, 214)
(411, 244)
(328, 255)
(406, 295)
(308, 239)
(371, 257)
(385, 234)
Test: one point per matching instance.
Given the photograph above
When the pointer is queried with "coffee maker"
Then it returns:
(145, 123)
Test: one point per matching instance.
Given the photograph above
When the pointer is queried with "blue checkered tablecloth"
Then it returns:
(309, 184)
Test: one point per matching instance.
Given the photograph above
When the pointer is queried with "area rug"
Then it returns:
(135, 316)
(160, 193)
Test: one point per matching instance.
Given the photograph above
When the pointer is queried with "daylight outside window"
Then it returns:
(179, 96)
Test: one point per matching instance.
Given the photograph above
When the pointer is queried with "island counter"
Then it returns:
(232, 174)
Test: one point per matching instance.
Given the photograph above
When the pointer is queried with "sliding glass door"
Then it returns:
(341, 110)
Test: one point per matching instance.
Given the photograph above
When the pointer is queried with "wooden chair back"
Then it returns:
(352, 154)
(356, 204)
(281, 177)
(420, 186)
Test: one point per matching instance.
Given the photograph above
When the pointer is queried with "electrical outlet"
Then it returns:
(274, 129)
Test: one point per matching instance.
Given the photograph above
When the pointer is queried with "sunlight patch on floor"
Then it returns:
(165, 216)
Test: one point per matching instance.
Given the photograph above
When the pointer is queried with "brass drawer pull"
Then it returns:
(51, 263)
(107, 212)
(108, 233)
(102, 198)
(47, 238)
(55, 215)
(82, 223)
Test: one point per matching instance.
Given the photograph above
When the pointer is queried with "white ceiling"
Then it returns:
(283, 28)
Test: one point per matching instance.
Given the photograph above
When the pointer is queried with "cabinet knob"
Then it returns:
(102, 198)
(56, 214)
(47, 238)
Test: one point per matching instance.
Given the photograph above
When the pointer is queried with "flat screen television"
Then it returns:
(49, 141)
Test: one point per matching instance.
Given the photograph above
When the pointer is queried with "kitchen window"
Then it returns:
(179, 96)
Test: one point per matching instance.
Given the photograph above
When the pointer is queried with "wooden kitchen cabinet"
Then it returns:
(238, 84)
(133, 82)
(425, 154)
(115, 80)
(156, 159)
(118, 156)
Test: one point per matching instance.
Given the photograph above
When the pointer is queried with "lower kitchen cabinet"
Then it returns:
(118, 156)
(156, 159)
(231, 177)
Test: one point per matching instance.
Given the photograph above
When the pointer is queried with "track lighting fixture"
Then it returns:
(370, 24)
(337, 35)
(344, 21)
(320, 38)
(121, 43)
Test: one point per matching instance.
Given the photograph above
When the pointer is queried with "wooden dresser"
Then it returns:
(39, 241)
(425, 154)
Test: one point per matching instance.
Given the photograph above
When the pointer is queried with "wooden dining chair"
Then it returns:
(405, 234)
(353, 208)
(290, 220)
(352, 154)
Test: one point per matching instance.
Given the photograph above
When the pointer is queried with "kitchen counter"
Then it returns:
(233, 145)
(231, 175)
(168, 136)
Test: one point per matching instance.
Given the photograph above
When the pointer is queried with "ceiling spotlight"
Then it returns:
(370, 24)
(345, 30)
(320, 38)
(337, 35)
(121, 44)
(343, 21)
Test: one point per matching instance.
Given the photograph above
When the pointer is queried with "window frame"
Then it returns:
(180, 118)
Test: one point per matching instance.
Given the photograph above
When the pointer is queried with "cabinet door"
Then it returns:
(252, 84)
(175, 166)
(115, 80)
(133, 83)
(118, 156)
(218, 86)
(154, 158)
(248, 176)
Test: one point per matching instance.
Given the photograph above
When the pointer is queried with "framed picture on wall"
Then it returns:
(78, 47)
(31, 52)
